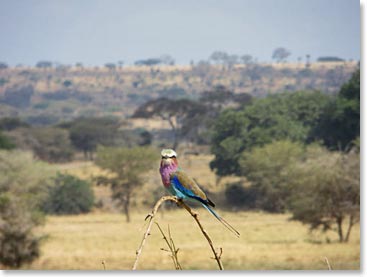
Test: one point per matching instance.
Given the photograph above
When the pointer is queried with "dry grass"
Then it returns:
(267, 242)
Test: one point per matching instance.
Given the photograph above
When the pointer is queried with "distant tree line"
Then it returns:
(330, 59)
(59, 143)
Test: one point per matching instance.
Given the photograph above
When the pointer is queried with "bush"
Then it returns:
(269, 169)
(23, 189)
(240, 197)
(6, 143)
(18, 98)
(18, 244)
(18, 247)
(11, 123)
(51, 144)
(69, 195)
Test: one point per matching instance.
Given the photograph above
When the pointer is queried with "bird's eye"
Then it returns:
(165, 157)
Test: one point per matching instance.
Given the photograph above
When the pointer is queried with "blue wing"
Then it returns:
(185, 187)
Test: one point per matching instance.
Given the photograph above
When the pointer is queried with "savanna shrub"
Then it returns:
(69, 195)
(240, 197)
(18, 244)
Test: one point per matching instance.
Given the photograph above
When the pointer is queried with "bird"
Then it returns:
(178, 183)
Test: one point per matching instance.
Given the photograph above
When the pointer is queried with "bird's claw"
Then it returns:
(150, 215)
(179, 201)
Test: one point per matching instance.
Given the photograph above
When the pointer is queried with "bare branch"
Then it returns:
(171, 246)
(327, 262)
(206, 235)
(147, 232)
(192, 213)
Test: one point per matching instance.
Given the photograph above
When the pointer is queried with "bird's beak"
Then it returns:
(166, 160)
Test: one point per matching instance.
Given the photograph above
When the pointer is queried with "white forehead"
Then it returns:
(168, 153)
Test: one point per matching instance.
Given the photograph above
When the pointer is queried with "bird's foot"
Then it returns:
(179, 202)
(150, 215)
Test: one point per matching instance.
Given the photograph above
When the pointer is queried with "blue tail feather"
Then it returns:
(225, 223)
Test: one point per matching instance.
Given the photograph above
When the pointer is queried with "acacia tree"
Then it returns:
(50, 144)
(87, 133)
(327, 191)
(126, 168)
(197, 126)
(280, 54)
(246, 59)
(175, 112)
(320, 188)
(219, 57)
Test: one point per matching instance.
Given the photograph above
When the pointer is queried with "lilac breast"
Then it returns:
(165, 171)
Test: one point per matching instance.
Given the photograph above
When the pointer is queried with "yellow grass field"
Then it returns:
(267, 242)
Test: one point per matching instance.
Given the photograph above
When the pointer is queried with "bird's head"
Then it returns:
(169, 157)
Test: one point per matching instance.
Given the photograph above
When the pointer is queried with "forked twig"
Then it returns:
(193, 214)
(147, 232)
(171, 246)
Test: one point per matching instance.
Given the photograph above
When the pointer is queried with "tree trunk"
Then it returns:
(339, 222)
(126, 208)
(351, 223)
(174, 130)
(175, 142)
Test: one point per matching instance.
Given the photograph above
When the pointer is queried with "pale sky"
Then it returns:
(95, 32)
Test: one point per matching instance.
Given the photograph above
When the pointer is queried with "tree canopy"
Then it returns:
(283, 116)
(327, 191)
(340, 121)
(280, 54)
(175, 112)
(50, 144)
(126, 171)
(270, 170)
(87, 133)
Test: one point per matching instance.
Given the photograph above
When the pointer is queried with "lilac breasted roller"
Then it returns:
(179, 184)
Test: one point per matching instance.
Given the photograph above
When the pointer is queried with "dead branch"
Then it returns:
(206, 235)
(327, 262)
(171, 246)
(192, 213)
(147, 232)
